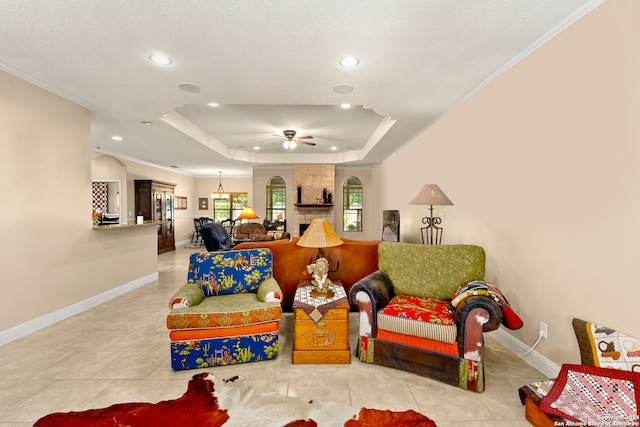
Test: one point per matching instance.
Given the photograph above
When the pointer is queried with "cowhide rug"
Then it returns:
(211, 402)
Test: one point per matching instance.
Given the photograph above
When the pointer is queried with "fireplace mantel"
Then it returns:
(313, 205)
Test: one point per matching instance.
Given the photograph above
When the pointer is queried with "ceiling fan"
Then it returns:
(290, 141)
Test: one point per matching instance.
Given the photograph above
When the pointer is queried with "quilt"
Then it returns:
(594, 396)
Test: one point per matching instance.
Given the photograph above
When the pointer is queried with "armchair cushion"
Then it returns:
(419, 317)
(435, 272)
(236, 271)
(224, 311)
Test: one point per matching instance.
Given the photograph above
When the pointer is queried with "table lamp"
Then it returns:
(320, 235)
(431, 195)
(247, 213)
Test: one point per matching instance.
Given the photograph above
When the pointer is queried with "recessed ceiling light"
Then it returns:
(345, 105)
(213, 104)
(256, 148)
(160, 58)
(116, 138)
(334, 148)
(189, 87)
(349, 61)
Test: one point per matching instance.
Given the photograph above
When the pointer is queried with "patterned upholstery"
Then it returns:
(230, 272)
(407, 320)
(228, 311)
(419, 317)
(430, 271)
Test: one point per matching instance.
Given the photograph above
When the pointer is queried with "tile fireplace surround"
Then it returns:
(312, 178)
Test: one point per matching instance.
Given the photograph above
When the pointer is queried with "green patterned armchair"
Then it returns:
(425, 311)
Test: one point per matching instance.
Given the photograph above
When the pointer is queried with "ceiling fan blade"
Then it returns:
(305, 137)
(313, 144)
(271, 140)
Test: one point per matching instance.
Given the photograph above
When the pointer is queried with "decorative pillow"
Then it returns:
(187, 296)
(230, 272)
(269, 291)
(277, 234)
(594, 396)
(605, 347)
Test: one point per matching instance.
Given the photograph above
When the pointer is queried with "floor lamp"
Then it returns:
(431, 195)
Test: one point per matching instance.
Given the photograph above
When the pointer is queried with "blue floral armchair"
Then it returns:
(228, 311)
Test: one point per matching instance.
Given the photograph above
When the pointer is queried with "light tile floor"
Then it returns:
(119, 352)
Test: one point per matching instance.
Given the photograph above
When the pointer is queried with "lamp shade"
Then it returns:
(431, 194)
(247, 213)
(319, 235)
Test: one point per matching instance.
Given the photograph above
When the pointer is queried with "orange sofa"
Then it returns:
(349, 262)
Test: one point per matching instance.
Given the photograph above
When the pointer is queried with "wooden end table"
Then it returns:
(326, 339)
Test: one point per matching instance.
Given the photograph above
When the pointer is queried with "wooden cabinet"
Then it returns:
(154, 201)
(326, 341)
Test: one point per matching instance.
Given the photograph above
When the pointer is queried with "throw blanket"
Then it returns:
(210, 402)
(479, 287)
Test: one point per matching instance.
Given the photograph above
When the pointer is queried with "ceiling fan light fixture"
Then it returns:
(289, 145)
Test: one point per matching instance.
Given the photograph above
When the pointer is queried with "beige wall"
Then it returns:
(50, 256)
(542, 165)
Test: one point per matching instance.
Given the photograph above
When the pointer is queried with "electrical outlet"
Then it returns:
(543, 330)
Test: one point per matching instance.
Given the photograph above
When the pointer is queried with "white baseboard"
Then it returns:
(533, 358)
(42, 322)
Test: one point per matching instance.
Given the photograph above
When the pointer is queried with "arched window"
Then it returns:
(352, 204)
(276, 199)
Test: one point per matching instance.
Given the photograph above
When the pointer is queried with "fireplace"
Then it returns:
(314, 180)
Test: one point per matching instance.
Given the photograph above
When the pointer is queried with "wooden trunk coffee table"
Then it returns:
(321, 338)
